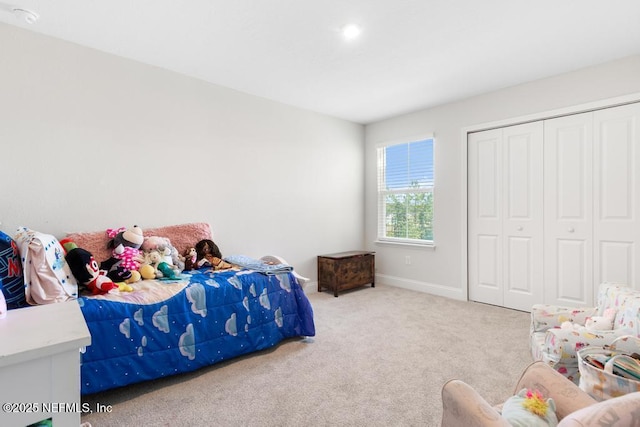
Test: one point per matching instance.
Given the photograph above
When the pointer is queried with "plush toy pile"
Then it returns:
(87, 272)
(594, 324)
(137, 257)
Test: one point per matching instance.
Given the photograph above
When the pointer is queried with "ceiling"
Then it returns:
(411, 54)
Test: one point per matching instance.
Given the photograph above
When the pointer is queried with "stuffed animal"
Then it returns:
(125, 254)
(190, 259)
(170, 254)
(601, 323)
(570, 326)
(208, 254)
(529, 409)
(147, 271)
(85, 269)
(160, 268)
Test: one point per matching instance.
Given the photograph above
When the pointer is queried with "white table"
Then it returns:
(40, 364)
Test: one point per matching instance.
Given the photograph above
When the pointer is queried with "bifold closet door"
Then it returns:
(505, 216)
(568, 218)
(485, 217)
(616, 174)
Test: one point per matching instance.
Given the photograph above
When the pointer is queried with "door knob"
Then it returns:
(571, 229)
(520, 228)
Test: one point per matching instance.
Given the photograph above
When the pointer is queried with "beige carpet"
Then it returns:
(379, 358)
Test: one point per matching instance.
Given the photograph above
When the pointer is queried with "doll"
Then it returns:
(208, 254)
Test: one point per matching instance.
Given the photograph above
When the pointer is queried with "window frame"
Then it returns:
(383, 192)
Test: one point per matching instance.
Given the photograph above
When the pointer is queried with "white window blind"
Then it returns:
(405, 192)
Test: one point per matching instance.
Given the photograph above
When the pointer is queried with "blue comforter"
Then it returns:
(206, 318)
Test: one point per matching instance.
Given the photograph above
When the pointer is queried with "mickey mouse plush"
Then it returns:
(125, 256)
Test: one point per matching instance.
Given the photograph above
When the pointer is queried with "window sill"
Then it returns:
(431, 246)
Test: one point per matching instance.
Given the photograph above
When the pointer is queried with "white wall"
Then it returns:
(90, 141)
(442, 270)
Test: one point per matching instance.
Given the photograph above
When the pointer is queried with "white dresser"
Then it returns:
(40, 364)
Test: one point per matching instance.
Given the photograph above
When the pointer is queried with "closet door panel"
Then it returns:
(615, 262)
(572, 271)
(616, 187)
(485, 217)
(488, 273)
(522, 215)
(568, 200)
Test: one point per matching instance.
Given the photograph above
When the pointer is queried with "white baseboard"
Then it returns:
(415, 285)
(310, 287)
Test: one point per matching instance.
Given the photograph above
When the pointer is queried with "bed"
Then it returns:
(164, 328)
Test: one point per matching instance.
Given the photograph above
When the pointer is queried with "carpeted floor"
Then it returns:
(380, 358)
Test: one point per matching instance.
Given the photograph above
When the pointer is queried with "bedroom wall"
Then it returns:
(442, 270)
(90, 141)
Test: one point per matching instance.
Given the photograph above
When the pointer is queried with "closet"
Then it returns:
(553, 208)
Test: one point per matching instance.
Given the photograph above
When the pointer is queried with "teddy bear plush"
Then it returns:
(169, 253)
(190, 259)
(125, 255)
(161, 269)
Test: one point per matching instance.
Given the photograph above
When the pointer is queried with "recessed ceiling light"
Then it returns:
(351, 31)
(26, 15)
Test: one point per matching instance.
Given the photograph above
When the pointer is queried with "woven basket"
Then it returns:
(602, 383)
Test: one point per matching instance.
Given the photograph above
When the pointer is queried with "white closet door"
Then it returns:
(522, 206)
(568, 210)
(485, 217)
(505, 216)
(617, 201)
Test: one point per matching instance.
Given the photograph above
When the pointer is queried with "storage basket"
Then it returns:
(600, 382)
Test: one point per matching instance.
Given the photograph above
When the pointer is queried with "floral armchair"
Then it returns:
(558, 346)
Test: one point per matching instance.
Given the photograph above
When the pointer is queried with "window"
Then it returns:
(405, 192)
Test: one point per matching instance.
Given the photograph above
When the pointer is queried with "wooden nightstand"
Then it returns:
(346, 270)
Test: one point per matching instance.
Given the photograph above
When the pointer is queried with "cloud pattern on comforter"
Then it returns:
(216, 316)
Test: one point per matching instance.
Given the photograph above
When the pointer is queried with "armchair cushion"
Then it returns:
(621, 411)
(463, 406)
